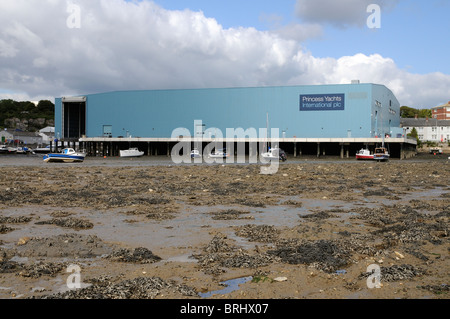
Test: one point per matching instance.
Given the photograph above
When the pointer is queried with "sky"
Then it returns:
(55, 48)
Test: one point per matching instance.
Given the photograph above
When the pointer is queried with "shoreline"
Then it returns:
(178, 231)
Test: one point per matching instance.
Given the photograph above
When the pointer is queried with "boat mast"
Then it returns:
(267, 131)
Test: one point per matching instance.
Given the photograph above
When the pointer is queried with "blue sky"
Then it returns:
(414, 33)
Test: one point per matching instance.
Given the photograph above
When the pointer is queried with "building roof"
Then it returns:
(423, 122)
(16, 132)
(440, 106)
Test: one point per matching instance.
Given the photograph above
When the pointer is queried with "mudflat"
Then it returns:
(315, 229)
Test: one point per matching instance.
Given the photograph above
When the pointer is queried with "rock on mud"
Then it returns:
(137, 288)
(138, 255)
(70, 222)
(325, 255)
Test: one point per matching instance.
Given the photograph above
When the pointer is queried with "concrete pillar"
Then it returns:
(295, 149)
(318, 149)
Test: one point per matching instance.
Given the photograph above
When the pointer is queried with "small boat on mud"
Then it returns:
(195, 153)
(131, 152)
(364, 154)
(275, 154)
(68, 155)
(220, 153)
(42, 149)
(381, 154)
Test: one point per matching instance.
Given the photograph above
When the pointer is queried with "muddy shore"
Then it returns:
(179, 231)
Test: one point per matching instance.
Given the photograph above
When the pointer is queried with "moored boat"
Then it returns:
(195, 153)
(131, 152)
(381, 154)
(364, 154)
(68, 155)
(220, 153)
(274, 154)
(42, 149)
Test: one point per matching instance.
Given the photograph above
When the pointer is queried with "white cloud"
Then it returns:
(139, 45)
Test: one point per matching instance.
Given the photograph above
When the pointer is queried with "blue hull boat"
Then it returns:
(68, 155)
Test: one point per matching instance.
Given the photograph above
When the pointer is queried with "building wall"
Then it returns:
(441, 112)
(370, 110)
(431, 132)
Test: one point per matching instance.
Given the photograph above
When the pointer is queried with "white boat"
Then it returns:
(68, 155)
(24, 150)
(381, 154)
(274, 154)
(220, 153)
(195, 153)
(364, 154)
(42, 149)
(131, 152)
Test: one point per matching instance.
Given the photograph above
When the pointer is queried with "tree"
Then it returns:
(409, 112)
(26, 110)
(415, 135)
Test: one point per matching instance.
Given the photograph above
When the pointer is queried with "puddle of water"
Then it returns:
(231, 285)
(186, 258)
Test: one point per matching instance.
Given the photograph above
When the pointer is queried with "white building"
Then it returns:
(47, 134)
(12, 136)
(432, 130)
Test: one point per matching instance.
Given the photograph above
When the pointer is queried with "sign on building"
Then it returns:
(322, 102)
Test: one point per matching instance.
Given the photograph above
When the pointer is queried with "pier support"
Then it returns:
(341, 148)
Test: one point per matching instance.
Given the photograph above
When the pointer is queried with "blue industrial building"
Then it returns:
(345, 111)
(352, 110)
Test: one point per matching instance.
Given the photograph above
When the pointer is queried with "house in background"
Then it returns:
(47, 134)
(14, 136)
(5, 136)
(431, 130)
(441, 112)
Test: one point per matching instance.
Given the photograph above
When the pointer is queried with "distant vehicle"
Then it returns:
(436, 151)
